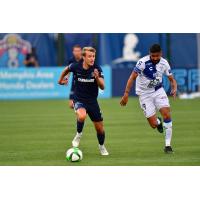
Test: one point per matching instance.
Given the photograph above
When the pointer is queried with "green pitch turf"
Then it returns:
(39, 133)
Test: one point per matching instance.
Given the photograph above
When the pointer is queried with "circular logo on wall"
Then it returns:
(13, 50)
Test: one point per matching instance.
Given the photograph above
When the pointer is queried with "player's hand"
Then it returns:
(63, 82)
(96, 73)
(124, 99)
(173, 93)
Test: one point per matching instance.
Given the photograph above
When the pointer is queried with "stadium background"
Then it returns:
(31, 126)
(53, 50)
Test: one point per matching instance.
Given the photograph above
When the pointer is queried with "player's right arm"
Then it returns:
(64, 77)
(132, 78)
(137, 70)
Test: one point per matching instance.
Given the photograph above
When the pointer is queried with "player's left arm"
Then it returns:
(171, 79)
(173, 85)
(99, 78)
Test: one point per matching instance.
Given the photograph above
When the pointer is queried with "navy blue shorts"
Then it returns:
(92, 109)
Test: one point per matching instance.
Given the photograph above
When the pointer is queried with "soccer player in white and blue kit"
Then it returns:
(148, 74)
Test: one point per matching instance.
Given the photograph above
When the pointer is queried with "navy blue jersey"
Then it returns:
(86, 88)
(70, 61)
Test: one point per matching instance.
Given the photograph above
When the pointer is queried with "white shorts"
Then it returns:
(153, 101)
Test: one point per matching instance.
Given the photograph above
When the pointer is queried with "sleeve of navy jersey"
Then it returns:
(71, 67)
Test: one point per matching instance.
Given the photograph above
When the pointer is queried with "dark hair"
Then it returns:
(155, 48)
(77, 46)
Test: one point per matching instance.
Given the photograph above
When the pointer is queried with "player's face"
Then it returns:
(89, 58)
(155, 57)
(77, 53)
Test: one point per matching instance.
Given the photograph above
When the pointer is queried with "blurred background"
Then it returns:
(30, 64)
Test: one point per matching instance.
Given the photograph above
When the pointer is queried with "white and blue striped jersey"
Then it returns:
(150, 75)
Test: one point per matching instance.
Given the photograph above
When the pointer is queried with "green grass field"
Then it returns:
(39, 133)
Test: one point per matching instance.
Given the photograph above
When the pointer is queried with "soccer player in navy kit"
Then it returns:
(88, 79)
(77, 57)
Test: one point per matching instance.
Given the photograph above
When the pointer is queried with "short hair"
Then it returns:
(76, 46)
(155, 48)
(91, 49)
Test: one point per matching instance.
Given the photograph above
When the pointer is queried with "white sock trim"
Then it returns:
(158, 121)
(167, 125)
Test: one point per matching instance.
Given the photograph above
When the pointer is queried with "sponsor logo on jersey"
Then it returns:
(151, 68)
(85, 80)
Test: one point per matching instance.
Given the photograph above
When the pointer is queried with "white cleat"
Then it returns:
(76, 140)
(103, 150)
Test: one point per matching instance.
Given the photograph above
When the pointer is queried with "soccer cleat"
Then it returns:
(160, 126)
(103, 150)
(168, 149)
(76, 140)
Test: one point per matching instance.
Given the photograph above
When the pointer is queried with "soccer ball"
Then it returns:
(74, 154)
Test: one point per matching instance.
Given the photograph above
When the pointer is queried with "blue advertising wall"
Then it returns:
(45, 46)
(122, 50)
(112, 48)
(118, 51)
(188, 80)
(40, 83)
(25, 83)
(183, 50)
(71, 39)
(43, 43)
(111, 45)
